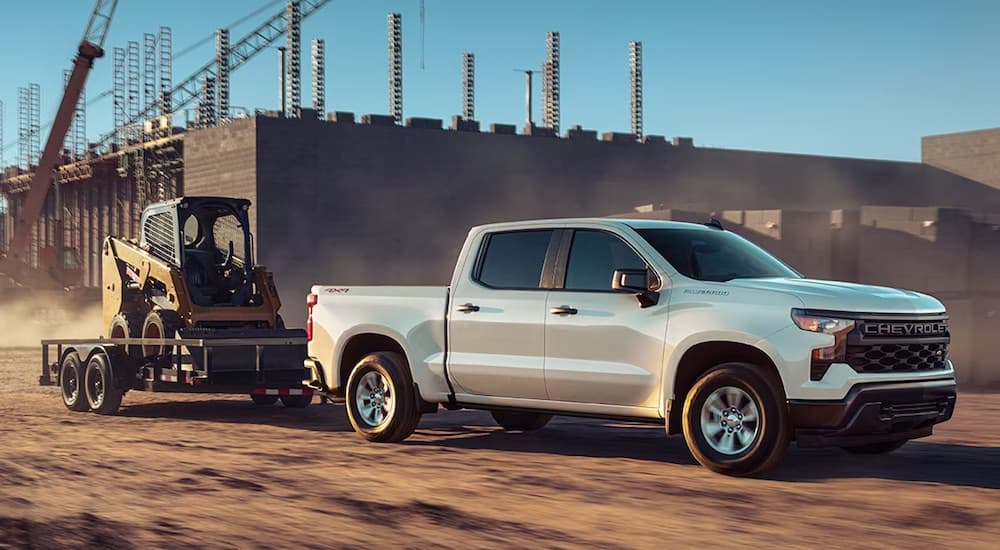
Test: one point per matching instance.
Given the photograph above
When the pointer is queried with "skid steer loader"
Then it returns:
(191, 274)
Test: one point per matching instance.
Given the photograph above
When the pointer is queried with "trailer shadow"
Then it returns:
(920, 461)
(316, 417)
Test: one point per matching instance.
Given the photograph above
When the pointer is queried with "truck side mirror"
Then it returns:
(641, 282)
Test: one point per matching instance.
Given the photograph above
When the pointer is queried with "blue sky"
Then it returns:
(861, 78)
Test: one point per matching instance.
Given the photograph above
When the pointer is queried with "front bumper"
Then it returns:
(872, 413)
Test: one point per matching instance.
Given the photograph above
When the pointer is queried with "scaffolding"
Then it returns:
(119, 108)
(149, 91)
(222, 88)
(550, 83)
(293, 82)
(28, 126)
(319, 77)
(166, 69)
(132, 99)
(468, 86)
(396, 67)
(206, 104)
(75, 143)
(635, 87)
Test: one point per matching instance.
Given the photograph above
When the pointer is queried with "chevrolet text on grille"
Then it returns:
(905, 329)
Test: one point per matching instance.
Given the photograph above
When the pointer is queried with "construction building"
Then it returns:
(383, 199)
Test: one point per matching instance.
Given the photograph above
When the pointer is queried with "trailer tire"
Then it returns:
(296, 401)
(263, 400)
(381, 401)
(520, 421)
(161, 324)
(103, 393)
(71, 384)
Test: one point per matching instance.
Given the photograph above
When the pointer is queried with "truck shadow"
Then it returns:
(921, 460)
(316, 417)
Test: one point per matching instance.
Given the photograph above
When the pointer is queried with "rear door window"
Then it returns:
(514, 260)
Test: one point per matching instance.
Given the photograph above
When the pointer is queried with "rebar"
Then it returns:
(319, 77)
(396, 67)
(468, 86)
(635, 87)
(294, 53)
(222, 59)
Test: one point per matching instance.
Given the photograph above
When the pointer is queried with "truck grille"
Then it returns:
(914, 357)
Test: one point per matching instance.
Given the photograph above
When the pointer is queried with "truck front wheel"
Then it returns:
(734, 420)
(381, 402)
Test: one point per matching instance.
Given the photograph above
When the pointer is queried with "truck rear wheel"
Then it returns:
(381, 402)
(103, 394)
(71, 384)
(734, 420)
(521, 421)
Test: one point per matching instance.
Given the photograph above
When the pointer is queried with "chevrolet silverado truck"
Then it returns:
(686, 325)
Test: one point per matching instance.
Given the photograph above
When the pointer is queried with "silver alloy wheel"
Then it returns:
(374, 398)
(730, 420)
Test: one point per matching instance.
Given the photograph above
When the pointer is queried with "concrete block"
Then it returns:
(426, 123)
(654, 139)
(683, 141)
(378, 120)
(462, 125)
(618, 137)
(341, 116)
(539, 131)
(507, 129)
(579, 133)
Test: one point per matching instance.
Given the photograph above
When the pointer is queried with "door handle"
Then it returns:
(467, 308)
(563, 310)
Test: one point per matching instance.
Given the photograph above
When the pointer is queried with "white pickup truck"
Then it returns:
(685, 325)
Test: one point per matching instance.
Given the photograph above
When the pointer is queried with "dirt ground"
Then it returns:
(214, 471)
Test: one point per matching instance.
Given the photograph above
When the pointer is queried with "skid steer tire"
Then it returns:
(161, 324)
(127, 325)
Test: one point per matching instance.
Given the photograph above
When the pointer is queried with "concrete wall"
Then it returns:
(975, 154)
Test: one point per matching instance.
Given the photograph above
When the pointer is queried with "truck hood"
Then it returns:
(839, 296)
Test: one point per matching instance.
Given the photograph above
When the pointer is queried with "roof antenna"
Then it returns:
(714, 222)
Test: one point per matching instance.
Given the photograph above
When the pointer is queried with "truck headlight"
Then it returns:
(822, 358)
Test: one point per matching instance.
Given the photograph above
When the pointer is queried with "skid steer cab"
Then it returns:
(191, 272)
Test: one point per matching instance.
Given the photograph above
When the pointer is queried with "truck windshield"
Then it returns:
(714, 255)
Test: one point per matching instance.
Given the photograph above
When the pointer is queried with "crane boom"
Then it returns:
(91, 47)
(239, 53)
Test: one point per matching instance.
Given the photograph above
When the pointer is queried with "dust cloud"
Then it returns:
(24, 323)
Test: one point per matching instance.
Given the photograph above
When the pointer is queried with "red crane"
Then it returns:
(91, 47)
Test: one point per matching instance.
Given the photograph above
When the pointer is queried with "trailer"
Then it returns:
(95, 374)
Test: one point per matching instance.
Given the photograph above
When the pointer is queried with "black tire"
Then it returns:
(127, 325)
(103, 394)
(736, 447)
(279, 323)
(390, 373)
(264, 400)
(161, 324)
(882, 447)
(71, 382)
(521, 421)
(296, 401)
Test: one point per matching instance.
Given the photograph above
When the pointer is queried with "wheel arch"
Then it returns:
(361, 344)
(701, 357)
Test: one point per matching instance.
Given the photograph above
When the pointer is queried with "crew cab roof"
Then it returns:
(637, 223)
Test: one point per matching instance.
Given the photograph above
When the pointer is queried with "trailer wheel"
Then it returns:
(71, 384)
(160, 324)
(381, 402)
(103, 394)
(264, 400)
(296, 401)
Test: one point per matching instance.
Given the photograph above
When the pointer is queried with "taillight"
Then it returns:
(311, 301)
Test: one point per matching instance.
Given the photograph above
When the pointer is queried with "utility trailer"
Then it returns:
(94, 374)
